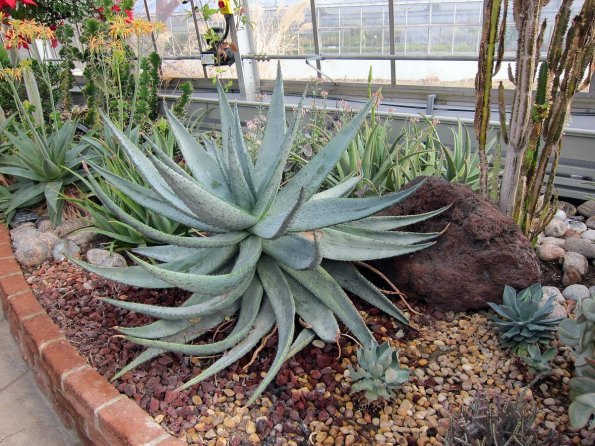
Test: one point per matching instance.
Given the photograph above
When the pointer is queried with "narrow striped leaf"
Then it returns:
(311, 176)
(281, 299)
(323, 286)
(206, 206)
(315, 214)
(263, 324)
(314, 313)
(388, 223)
(297, 251)
(347, 275)
(213, 285)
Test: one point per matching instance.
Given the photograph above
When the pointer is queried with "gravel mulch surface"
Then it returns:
(452, 356)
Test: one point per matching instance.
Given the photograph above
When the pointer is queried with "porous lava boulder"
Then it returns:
(481, 251)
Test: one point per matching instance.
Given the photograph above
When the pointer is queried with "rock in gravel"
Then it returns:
(580, 245)
(29, 248)
(592, 291)
(45, 225)
(559, 310)
(556, 228)
(577, 226)
(480, 242)
(552, 291)
(568, 208)
(548, 253)
(50, 238)
(576, 261)
(589, 235)
(102, 257)
(69, 226)
(63, 248)
(575, 267)
(587, 208)
(590, 222)
(83, 238)
(576, 292)
(560, 214)
(553, 241)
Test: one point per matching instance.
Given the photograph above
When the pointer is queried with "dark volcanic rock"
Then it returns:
(481, 251)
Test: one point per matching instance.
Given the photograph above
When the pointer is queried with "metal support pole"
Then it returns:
(430, 100)
(391, 31)
(315, 35)
(247, 69)
(153, 39)
(195, 20)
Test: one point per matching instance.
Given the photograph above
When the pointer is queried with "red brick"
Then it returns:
(86, 390)
(35, 332)
(5, 250)
(58, 358)
(4, 235)
(171, 441)
(13, 284)
(92, 435)
(23, 305)
(125, 423)
(9, 266)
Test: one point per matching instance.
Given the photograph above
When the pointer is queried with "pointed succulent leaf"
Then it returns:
(342, 189)
(353, 281)
(204, 169)
(212, 210)
(297, 251)
(304, 339)
(314, 313)
(263, 324)
(325, 212)
(273, 226)
(322, 285)
(311, 176)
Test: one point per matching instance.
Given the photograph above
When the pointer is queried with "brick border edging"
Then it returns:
(84, 400)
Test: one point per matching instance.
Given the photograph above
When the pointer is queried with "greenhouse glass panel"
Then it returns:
(399, 41)
(416, 40)
(466, 39)
(441, 40)
(285, 28)
(329, 17)
(351, 16)
(469, 12)
(375, 16)
(375, 41)
(351, 41)
(443, 13)
(330, 41)
(417, 14)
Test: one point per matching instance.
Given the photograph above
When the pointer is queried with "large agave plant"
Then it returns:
(264, 256)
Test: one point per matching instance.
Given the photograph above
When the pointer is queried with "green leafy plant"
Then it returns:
(580, 335)
(42, 165)
(378, 373)
(537, 361)
(114, 161)
(181, 105)
(523, 322)
(264, 257)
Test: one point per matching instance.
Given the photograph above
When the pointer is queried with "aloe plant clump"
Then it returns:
(263, 257)
(378, 373)
(523, 321)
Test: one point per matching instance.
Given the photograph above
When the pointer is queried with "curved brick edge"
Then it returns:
(84, 400)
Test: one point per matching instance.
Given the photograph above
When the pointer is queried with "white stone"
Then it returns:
(589, 235)
(553, 241)
(560, 214)
(102, 257)
(580, 245)
(577, 226)
(552, 291)
(576, 292)
(548, 253)
(587, 208)
(576, 261)
(559, 310)
(556, 228)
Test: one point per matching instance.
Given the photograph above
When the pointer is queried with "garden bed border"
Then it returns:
(83, 399)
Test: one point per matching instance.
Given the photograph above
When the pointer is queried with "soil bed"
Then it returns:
(452, 356)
